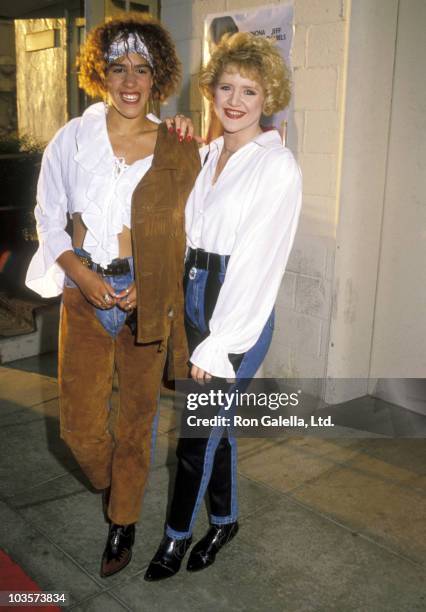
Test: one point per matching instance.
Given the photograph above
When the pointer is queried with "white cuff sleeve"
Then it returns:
(213, 358)
(44, 275)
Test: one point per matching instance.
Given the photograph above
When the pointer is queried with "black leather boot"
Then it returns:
(168, 558)
(118, 549)
(204, 552)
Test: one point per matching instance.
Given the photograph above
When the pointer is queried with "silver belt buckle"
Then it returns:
(192, 273)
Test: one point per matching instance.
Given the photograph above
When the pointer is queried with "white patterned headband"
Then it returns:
(124, 44)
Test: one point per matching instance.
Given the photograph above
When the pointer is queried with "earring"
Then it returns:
(106, 107)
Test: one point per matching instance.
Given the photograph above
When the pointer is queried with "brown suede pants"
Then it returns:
(115, 455)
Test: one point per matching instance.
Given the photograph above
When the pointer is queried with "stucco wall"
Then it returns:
(378, 315)
(401, 289)
(369, 78)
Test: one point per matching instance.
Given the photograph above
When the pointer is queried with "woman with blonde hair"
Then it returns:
(241, 219)
(123, 179)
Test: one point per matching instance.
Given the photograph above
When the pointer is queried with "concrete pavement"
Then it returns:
(326, 524)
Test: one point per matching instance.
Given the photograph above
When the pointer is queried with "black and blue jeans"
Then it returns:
(209, 465)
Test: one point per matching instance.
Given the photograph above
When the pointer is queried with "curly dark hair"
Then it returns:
(93, 67)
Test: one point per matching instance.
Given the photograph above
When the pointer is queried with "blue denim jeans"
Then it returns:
(209, 465)
(112, 319)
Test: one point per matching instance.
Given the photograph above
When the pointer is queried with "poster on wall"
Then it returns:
(269, 21)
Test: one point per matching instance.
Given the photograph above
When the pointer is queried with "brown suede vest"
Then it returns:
(158, 234)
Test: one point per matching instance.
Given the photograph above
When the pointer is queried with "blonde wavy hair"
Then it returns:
(254, 57)
(93, 67)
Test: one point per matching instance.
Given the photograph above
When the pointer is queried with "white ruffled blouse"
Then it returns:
(81, 174)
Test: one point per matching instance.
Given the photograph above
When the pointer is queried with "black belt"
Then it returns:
(200, 259)
(116, 268)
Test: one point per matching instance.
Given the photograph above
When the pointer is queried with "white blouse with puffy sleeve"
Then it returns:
(250, 213)
(81, 174)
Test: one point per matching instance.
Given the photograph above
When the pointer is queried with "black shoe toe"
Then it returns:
(157, 571)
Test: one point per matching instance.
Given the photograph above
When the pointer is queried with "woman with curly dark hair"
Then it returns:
(123, 179)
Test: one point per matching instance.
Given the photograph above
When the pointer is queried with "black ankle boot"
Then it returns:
(168, 558)
(204, 552)
(118, 549)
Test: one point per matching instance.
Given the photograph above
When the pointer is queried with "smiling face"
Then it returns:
(129, 81)
(238, 102)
